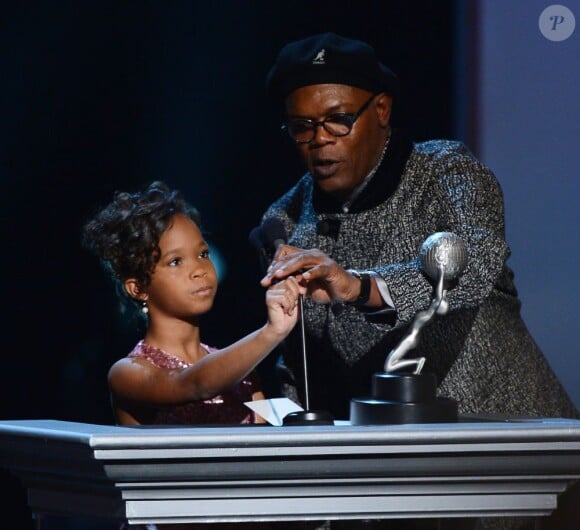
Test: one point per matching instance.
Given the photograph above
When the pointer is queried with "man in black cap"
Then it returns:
(355, 223)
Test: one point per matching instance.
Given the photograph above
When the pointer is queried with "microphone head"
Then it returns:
(443, 250)
(273, 232)
(256, 239)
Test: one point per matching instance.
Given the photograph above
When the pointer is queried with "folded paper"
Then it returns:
(273, 410)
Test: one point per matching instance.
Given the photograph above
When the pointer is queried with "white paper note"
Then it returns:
(273, 410)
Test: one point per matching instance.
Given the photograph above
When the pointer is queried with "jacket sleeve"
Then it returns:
(462, 196)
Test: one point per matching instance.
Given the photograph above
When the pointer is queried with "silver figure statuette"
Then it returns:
(443, 257)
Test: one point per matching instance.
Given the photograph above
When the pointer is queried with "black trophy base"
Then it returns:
(403, 398)
(308, 417)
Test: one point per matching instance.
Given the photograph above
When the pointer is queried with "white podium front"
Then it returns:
(261, 473)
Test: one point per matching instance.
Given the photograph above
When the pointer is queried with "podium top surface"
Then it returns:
(565, 433)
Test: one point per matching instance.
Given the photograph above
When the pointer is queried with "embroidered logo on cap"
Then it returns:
(319, 59)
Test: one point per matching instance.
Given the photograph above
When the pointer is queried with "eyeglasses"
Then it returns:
(303, 131)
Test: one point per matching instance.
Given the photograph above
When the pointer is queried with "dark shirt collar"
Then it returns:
(383, 184)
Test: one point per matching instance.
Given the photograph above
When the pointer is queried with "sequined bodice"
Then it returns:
(225, 408)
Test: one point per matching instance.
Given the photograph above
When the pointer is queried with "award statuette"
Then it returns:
(410, 396)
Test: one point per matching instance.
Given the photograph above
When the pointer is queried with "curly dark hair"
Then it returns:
(125, 234)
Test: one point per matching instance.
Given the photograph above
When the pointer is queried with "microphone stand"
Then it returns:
(272, 234)
(304, 358)
(307, 416)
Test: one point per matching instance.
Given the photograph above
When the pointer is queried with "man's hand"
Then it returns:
(325, 280)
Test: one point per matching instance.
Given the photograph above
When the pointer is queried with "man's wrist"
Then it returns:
(365, 288)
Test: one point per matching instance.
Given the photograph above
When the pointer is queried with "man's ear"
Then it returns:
(134, 290)
(383, 106)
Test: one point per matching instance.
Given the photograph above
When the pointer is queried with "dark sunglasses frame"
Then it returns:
(347, 119)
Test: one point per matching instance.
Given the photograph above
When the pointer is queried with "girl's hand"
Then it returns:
(282, 304)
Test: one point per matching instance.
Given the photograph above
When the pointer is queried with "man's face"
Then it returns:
(339, 164)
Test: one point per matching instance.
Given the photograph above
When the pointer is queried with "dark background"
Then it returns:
(101, 96)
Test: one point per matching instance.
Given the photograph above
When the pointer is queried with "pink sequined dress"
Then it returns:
(225, 408)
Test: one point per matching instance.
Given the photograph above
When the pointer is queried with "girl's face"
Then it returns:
(184, 281)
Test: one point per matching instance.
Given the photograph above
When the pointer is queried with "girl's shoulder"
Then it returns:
(156, 356)
(161, 358)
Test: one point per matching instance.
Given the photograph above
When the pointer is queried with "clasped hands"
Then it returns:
(325, 280)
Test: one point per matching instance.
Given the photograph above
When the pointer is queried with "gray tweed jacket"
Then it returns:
(481, 351)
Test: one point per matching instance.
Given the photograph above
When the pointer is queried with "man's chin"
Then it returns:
(326, 181)
(333, 188)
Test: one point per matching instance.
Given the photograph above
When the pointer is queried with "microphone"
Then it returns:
(443, 257)
(255, 238)
(271, 234)
(257, 242)
(266, 239)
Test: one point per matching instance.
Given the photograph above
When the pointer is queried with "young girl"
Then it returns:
(151, 244)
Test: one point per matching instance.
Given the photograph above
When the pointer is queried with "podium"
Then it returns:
(475, 467)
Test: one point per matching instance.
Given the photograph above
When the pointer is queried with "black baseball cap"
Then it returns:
(329, 58)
